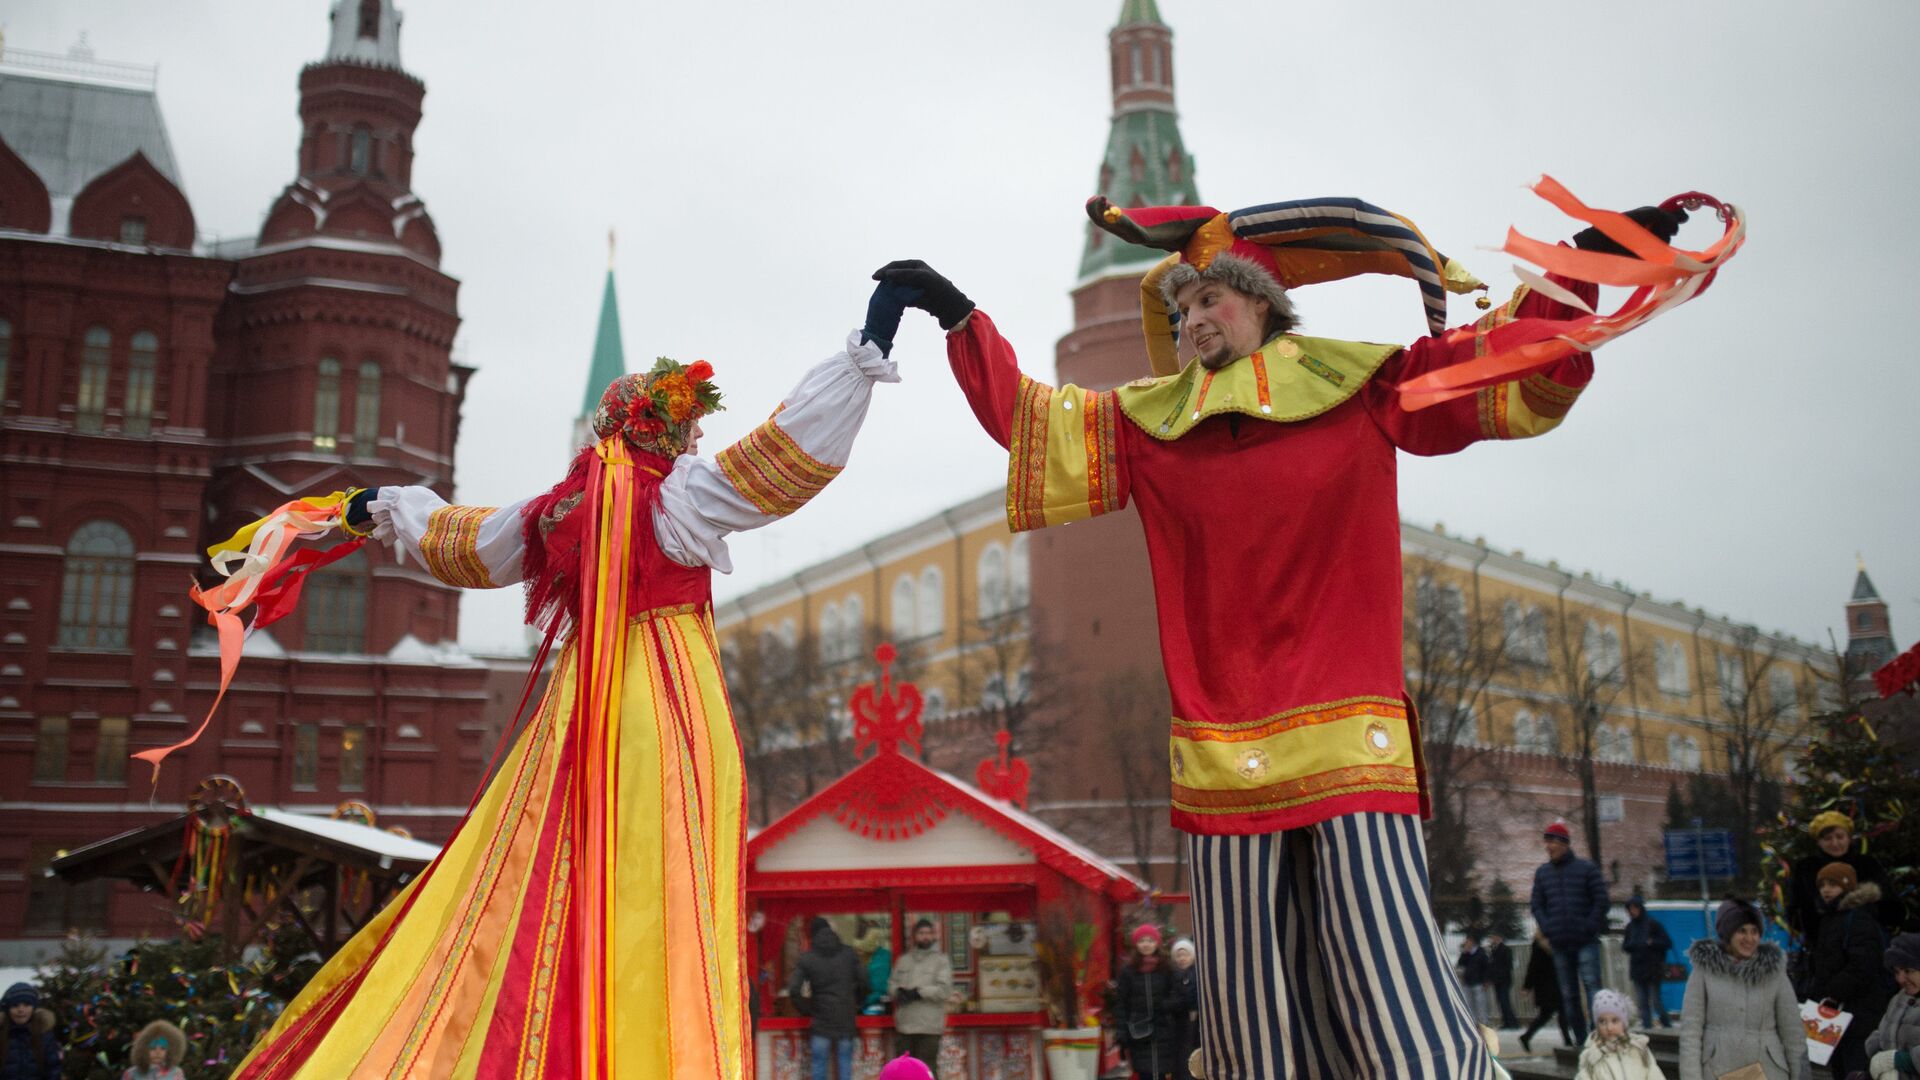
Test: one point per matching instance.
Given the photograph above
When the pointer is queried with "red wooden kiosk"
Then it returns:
(894, 841)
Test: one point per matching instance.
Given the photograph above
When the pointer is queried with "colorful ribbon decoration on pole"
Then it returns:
(1662, 277)
(262, 570)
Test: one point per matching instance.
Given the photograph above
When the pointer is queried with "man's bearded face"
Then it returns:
(923, 938)
(1223, 323)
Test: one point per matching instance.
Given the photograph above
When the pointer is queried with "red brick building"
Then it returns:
(154, 395)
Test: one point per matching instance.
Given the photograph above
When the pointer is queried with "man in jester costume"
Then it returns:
(1263, 467)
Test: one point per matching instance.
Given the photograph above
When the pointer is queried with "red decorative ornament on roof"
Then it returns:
(885, 715)
(1003, 776)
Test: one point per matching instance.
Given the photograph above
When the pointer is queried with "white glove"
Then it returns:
(1882, 1066)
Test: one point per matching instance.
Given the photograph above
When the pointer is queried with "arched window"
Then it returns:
(993, 695)
(1137, 166)
(96, 365)
(353, 758)
(369, 19)
(904, 623)
(96, 590)
(360, 152)
(1670, 667)
(1534, 733)
(789, 633)
(6, 354)
(143, 357)
(1019, 576)
(934, 705)
(366, 410)
(992, 574)
(326, 405)
(1783, 692)
(1134, 52)
(932, 612)
(1154, 56)
(853, 627)
(1613, 743)
(336, 604)
(830, 633)
(1602, 645)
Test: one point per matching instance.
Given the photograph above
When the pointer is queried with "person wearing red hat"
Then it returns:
(1570, 905)
(1262, 463)
(1148, 1001)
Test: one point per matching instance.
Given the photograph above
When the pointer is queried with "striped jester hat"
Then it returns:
(1302, 242)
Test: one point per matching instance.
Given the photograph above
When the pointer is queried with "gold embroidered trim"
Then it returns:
(1300, 716)
(1547, 398)
(1306, 789)
(1099, 409)
(770, 470)
(1027, 463)
(451, 545)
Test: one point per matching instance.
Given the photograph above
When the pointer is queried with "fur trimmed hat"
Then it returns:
(164, 1036)
(1266, 250)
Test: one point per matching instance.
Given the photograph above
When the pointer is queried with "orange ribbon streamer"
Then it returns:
(1662, 277)
(269, 544)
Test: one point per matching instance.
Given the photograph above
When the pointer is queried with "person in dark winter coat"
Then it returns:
(1893, 1051)
(1543, 982)
(1847, 960)
(1147, 1008)
(1500, 977)
(1833, 834)
(830, 979)
(1187, 1024)
(1646, 945)
(33, 1052)
(1570, 905)
(1472, 968)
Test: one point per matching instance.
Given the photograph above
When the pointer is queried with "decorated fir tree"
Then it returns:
(1850, 768)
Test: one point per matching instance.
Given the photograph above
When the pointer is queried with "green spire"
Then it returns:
(1146, 163)
(609, 358)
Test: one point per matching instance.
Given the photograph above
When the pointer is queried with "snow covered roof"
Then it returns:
(371, 840)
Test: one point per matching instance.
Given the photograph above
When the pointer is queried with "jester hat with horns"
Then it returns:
(1265, 250)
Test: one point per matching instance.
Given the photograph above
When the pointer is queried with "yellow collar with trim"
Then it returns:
(1288, 379)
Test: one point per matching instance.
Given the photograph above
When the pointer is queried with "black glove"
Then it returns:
(884, 309)
(937, 296)
(906, 994)
(1661, 223)
(357, 513)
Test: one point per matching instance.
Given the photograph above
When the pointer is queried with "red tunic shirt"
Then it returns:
(1275, 549)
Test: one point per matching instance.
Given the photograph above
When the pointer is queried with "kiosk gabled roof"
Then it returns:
(926, 795)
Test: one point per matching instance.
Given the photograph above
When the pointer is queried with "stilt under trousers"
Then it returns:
(1318, 957)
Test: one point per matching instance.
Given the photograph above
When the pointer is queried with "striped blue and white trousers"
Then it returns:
(1318, 957)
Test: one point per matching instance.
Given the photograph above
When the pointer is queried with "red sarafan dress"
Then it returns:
(585, 918)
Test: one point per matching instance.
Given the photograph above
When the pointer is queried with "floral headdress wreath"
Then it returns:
(656, 411)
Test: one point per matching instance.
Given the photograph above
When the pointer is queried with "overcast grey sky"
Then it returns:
(759, 159)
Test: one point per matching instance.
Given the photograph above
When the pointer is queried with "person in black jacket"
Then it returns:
(1147, 1005)
(1646, 945)
(1472, 968)
(1847, 961)
(32, 1051)
(828, 984)
(1500, 977)
(1187, 1024)
(1570, 906)
(1543, 982)
(1833, 836)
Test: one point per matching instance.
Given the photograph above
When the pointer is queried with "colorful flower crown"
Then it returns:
(656, 411)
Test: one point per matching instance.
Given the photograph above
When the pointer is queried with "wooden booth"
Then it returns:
(894, 841)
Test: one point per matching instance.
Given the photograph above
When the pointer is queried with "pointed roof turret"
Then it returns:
(1146, 163)
(367, 31)
(1863, 586)
(609, 355)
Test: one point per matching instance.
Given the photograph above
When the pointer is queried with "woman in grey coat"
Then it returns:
(1893, 1050)
(1740, 1010)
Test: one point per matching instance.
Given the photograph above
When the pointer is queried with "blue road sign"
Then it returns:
(1692, 852)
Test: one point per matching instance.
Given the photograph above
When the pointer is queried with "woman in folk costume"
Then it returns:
(584, 920)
